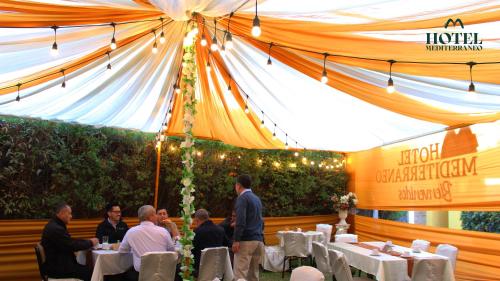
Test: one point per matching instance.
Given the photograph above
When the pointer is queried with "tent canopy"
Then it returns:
(351, 112)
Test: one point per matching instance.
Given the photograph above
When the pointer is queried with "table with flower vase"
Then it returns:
(386, 267)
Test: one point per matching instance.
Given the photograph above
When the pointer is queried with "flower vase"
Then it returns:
(343, 215)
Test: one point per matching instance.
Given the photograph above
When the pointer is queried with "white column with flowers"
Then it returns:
(343, 205)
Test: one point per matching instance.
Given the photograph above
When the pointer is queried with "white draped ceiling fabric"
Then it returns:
(351, 112)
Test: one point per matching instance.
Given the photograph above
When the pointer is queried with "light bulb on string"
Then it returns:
(169, 114)
(214, 47)
(286, 141)
(54, 51)
(63, 85)
(247, 110)
(109, 61)
(162, 34)
(162, 137)
(208, 67)
(229, 41)
(177, 89)
(390, 83)
(274, 132)
(223, 50)
(262, 122)
(155, 46)
(18, 98)
(112, 45)
(203, 41)
(164, 127)
(472, 88)
(269, 61)
(229, 89)
(324, 75)
(296, 154)
(256, 23)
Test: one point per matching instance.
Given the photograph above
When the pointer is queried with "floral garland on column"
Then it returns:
(187, 151)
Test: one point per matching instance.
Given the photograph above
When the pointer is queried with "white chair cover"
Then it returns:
(215, 263)
(340, 268)
(423, 245)
(448, 251)
(272, 260)
(320, 254)
(308, 273)
(158, 266)
(295, 244)
(327, 232)
(346, 238)
(428, 269)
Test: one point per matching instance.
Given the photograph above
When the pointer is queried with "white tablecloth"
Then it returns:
(385, 267)
(108, 262)
(312, 236)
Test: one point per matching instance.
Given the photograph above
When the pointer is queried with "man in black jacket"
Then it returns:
(112, 226)
(60, 261)
(207, 235)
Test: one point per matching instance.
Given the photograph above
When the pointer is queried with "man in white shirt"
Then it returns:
(146, 237)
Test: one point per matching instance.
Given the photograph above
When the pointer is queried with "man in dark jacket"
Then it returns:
(207, 235)
(60, 261)
(248, 243)
(112, 226)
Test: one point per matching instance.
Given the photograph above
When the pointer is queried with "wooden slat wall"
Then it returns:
(18, 237)
(478, 252)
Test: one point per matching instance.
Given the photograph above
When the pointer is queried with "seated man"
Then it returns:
(146, 237)
(207, 235)
(228, 225)
(165, 222)
(112, 226)
(59, 247)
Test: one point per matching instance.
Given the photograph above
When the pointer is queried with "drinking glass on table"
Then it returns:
(105, 244)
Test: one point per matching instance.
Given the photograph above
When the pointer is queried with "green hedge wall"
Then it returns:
(43, 163)
(481, 221)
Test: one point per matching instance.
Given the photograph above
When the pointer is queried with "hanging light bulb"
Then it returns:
(269, 61)
(164, 127)
(109, 61)
(54, 51)
(472, 88)
(222, 50)
(169, 114)
(256, 23)
(274, 132)
(324, 75)
(286, 141)
(162, 34)
(203, 40)
(229, 89)
(195, 30)
(390, 84)
(18, 98)
(177, 89)
(155, 48)
(296, 154)
(229, 41)
(112, 45)
(208, 67)
(246, 109)
(214, 45)
(262, 122)
(162, 137)
(64, 79)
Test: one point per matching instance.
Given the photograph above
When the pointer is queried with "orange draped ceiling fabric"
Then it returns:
(219, 114)
(34, 14)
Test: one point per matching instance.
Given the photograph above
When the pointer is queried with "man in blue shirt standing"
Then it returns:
(248, 235)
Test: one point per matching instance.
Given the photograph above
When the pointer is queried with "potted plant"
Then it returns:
(344, 204)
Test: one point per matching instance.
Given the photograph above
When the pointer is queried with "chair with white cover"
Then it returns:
(273, 257)
(295, 245)
(326, 229)
(341, 269)
(448, 251)
(428, 269)
(346, 238)
(215, 263)
(320, 254)
(156, 266)
(422, 245)
(308, 273)
(40, 258)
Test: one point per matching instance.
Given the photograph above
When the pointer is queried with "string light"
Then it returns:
(390, 83)
(324, 76)
(155, 46)
(164, 127)
(214, 45)
(169, 114)
(286, 141)
(198, 153)
(472, 88)
(109, 60)
(54, 51)
(223, 50)
(269, 61)
(177, 89)
(262, 122)
(64, 79)
(274, 132)
(208, 66)
(256, 23)
(18, 98)
(162, 34)
(296, 154)
(162, 137)
(229, 88)
(112, 45)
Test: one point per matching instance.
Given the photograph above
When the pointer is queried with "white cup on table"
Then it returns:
(375, 252)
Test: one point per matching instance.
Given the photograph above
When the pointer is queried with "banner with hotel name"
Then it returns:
(457, 169)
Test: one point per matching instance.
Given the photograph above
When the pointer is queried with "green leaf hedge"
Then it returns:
(43, 163)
